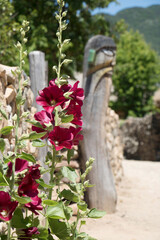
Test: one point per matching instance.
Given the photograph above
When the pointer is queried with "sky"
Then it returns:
(113, 8)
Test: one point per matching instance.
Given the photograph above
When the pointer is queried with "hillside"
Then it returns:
(145, 20)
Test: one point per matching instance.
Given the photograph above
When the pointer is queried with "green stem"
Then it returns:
(52, 172)
(60, 43)
(9, 231)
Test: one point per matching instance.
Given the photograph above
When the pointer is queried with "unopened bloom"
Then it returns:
(28, 233)
(50, 97)
(61, 138)
(7, 207)
(34, 205)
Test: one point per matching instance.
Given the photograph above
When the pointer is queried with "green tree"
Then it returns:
(136, 75)
(8, 30)
(81, 26)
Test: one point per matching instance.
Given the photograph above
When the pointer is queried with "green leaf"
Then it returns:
(69, 173)
(3, 181)
(94, 213)
(27, 157)
(70, 154)
(2, 145)
(17, 220)
(84, 236)
(4, 114)
(56, 211)
(50, 202)
(82, 206)
(69, 195)
(43, 184)
(22, 200)
(68, 212)
(34, 135)
(67, 118)
(34, 123)
(43, 233)
(60, 229)
(38, 143)
(6, 130)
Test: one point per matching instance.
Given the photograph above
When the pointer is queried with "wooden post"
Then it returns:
(99, 59)
(39, 80)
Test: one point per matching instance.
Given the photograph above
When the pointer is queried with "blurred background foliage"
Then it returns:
(136, 74)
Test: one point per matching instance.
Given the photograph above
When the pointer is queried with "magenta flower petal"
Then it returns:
(28, 186)
(76, 111)
(26, 234)
(61, 138)
(34, 205)
(50, 97)
(44, 117)
(77, 94)
(7, 207)
(34, 171)
(20, 165)
(76, 136)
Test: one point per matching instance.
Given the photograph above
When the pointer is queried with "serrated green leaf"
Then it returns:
(94, 213)
(69, 195)
(22, 200)
(38, 143)
(4, 114)
(6, 130)
(69, 173)
(35, 135)
(55, 212)
(67, 118)
(60, 229)
(2, 145)
(27, 157)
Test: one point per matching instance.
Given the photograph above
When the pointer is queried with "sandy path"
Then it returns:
(138, 209)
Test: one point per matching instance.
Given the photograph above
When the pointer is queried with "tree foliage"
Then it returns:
(136, 75)
(81, 25)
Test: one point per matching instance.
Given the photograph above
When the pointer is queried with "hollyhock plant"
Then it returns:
(34, 205)
(77, 94)
(28, 233)
(7, 207)
(20, 165)
(50, 97)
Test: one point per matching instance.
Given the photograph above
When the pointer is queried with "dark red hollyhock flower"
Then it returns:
(28, 186)
(76, 136)
(7, 207)
(20, 165)
(34, 171)
(26, 234)
(77, 94)
(50, 97)
(65, 87)
(43, 118)
(61, 138)
(76, 111)
(34, 205)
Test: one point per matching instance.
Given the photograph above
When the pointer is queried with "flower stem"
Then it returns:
(52, 172)
(9, 231)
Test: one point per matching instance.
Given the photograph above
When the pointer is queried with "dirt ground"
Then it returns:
(138, 209)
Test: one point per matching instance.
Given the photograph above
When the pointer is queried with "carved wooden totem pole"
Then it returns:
(99, 60)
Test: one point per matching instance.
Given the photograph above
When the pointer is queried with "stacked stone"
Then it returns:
(114, 144)
(8, 91)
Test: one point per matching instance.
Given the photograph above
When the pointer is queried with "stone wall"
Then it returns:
(114, 144)
(141, 137)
